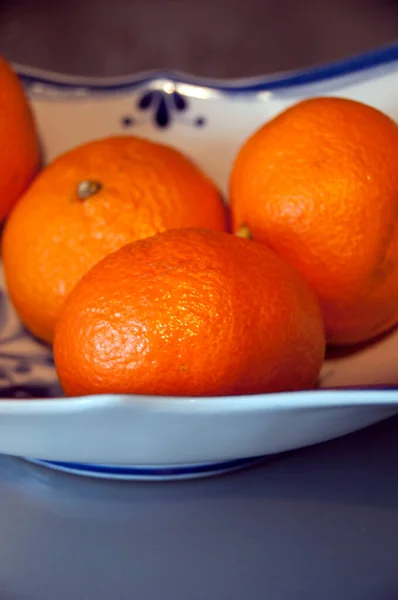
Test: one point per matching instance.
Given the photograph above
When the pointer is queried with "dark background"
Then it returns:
(218, 38)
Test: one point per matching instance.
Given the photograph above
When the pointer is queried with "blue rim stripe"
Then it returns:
(152, 471)
(381, 57)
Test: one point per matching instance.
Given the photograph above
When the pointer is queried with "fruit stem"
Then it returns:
(244, 232)
(87, 188)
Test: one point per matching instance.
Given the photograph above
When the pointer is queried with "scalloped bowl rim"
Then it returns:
(335, 398)
(358, 63)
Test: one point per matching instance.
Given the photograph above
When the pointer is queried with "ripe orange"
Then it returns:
(189, 312)
(19, 146)
(319, 185)
(90, 202)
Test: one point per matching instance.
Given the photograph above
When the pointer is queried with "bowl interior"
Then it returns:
(208, 121)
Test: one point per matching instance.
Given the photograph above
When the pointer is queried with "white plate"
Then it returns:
(153, 437)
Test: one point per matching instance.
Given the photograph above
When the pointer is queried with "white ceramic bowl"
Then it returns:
(153, 437)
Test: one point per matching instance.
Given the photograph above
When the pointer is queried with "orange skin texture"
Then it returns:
(53, 237)
(190, 313)
(19, 146)
(319, 185)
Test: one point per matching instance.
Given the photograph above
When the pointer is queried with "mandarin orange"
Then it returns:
(89, 202)
(190, 313)
(319, 185)
(19, 144)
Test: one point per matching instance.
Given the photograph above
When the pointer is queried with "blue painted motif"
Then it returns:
(164, 108)
(17, 366)
(127, 121)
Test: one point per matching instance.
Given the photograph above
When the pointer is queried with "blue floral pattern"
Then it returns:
(26, 365)
(164, 108)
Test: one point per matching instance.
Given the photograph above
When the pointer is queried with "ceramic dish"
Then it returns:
(153, 437)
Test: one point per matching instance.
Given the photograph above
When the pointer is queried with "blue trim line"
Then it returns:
(152, 471)
(381, 57)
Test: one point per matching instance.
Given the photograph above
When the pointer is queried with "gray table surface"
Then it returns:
(317, 524)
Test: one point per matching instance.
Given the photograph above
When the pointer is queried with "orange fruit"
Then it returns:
(90, 202)
(319, 185)
(19, 145)
(189, 313)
